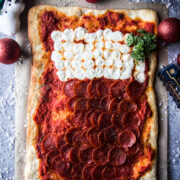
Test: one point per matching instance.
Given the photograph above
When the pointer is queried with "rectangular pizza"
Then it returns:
(91, 107)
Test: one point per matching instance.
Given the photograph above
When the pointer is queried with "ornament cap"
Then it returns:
(9, 51)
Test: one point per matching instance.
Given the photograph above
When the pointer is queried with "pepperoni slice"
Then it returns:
(92, 87)
(117, 156)
(71, 102)
(127, 105)
(93, 103)
(73, 155)
(101, 138)
(144, 108)
(77, 117)
(49, 142)
(118, 88)
(85, 155)
(54, 176)
(86, 172)
(78, 177)
(135, 89)
(92, 134)
(96, 172)
(123, 171)
(110, 135)
(60, 141)
(76, 170)
(117, 119)
(104, 103)
(133, 150)
(62, 167)
(88, 118)
(64, 151)
(108, 172)
(80, 89)
(131, 119)
(76, 139)
(99, 156)
(70, 133)
(127, 138)
(80, 104)
(113, 104)
(84, 137)
(51, 155)
(104, 119)
(95, 116)
(103, 87)
(134, 129)
(68, 87)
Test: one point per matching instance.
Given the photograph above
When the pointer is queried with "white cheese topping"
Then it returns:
(56, 36)
(99, 61)
(68, 35)
(78, 48)
(89, 47)
(116, 46)
(108, 72)
(98, 53)
(79, 54)
(107, 54)
(67, 46)
(116, 74)
(139, 72)
(90, 37)
(99, 71)
(68, 55)
(79, 33)
(117, 36)
(108, 45)
(109, 62)
(99, 34)
(115, 55)
(107, 33)
(99, 45)
(58, 46)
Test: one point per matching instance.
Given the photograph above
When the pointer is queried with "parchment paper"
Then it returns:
(22, 80)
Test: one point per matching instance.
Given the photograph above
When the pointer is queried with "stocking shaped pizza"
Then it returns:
(91, 107)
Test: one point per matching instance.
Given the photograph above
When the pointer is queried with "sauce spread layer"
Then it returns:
(92, 128)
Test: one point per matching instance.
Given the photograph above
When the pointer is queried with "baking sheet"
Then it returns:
(22, 80)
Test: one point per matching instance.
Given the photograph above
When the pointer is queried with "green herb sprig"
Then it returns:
(144, 44)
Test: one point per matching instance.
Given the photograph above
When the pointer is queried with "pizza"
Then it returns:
(91, 107)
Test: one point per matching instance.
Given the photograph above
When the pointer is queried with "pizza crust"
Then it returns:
(154, 119)
(40, 61)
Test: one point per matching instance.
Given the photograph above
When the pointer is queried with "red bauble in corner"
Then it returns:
(169, 30)
(178, 59)
(92, 1)
(9, 51)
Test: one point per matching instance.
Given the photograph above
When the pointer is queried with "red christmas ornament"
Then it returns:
(178, 59)
(169, 30)
(92, 1)
(9, 51)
